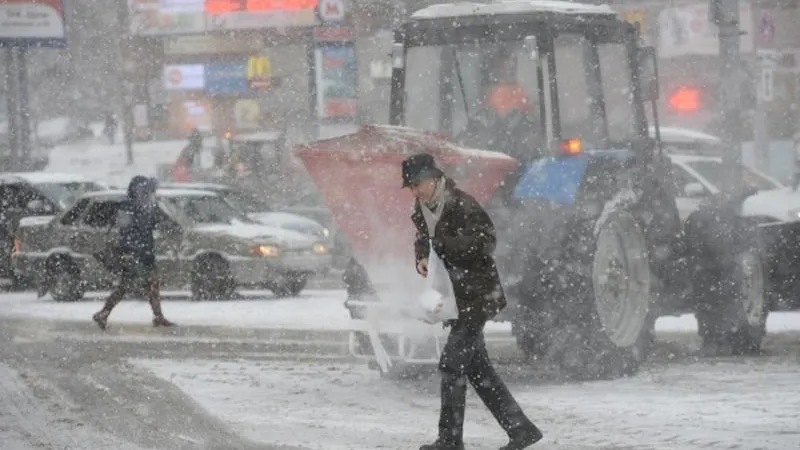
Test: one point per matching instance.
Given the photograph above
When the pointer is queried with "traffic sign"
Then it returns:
(766, 86)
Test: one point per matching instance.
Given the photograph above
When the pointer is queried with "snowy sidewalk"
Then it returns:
(714, 405)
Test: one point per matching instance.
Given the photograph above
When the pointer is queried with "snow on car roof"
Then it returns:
(687, 158)
(683, 135)
(195, 186)
(258, 136)
(161, 193)
(509, 7)
(46, 177)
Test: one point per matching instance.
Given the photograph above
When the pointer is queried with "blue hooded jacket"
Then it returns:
(137, 219)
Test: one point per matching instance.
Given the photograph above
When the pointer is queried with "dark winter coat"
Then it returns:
(136, 221)
(465, 240)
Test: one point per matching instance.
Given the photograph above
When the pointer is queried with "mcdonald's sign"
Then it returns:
(259, 72)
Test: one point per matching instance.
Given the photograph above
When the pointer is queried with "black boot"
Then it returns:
(439, 445)
(451, 417)
(523, 438)
(505, 409)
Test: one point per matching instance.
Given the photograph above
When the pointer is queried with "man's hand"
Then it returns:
(422, 267)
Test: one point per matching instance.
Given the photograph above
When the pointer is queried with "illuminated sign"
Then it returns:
(259, 72)
(230, 6)
(179, 77)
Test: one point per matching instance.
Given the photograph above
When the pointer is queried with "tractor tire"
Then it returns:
(597, 323)
(733, 306)
(731, 287)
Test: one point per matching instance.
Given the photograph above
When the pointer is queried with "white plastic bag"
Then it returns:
(438, 300)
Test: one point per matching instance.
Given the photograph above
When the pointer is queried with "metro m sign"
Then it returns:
(331, 10)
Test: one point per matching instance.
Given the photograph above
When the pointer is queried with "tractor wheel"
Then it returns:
(598, 324)
(733, 308)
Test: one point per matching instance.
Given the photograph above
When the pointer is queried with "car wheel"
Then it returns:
(290, 285)
(212, 279)
(66, 281)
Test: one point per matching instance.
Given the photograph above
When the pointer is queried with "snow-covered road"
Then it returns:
(744, 404)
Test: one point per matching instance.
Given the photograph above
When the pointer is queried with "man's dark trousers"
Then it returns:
(464, 357)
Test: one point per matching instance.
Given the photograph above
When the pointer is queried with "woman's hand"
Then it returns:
(422, 267)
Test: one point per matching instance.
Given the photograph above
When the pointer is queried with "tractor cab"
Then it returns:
(529, 79)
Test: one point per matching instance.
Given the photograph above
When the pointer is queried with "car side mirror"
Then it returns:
(694, 190)
(648, 73)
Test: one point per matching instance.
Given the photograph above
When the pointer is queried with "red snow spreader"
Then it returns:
(359, 177)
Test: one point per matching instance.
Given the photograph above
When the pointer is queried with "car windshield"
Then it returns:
(715, 173)
(199, 210)
(64, 194)
(245, 202)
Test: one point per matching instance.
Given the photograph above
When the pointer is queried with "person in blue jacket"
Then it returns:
(137, 219)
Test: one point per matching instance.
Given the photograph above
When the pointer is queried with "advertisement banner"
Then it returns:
(208, 44)
(172, 17)
(337, 81)
(184, 77)
(32, 22)
(226, 78)
(685, 30)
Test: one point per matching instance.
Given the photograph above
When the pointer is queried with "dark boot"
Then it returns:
(439, 445)
(523, 438)
(498, 399)
(451, 417)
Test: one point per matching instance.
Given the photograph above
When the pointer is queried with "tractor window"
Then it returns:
(595, 97)
(615, 75)
(484, 94)
(574, 99)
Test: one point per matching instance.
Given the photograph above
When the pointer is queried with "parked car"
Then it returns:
(26, 194)
(220, 248)
(258, 209)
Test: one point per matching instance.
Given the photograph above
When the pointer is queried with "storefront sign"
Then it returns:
(331, 10)
(686, 30)
(197, 114)
(156, 23)
(166, 17)
(208, 44)
(182, 77)
(247, 114)
(226, 78)
(337, 81)
(32, 22)
(259, 72)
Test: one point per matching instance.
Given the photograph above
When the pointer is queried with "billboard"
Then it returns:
(226, 78)
(336, 81)
(184, 77)
(174, 17)
(686, 30)
(32, 23)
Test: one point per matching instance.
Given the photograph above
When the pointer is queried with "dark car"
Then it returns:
(27, 194)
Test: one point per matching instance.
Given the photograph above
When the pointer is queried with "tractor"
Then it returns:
(542, 111)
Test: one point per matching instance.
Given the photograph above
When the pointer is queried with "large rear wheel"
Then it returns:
(600, 321)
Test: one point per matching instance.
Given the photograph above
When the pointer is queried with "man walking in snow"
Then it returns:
(137, 219)
(463, 236)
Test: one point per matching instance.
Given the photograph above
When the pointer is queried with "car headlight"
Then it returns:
(794, 214)
(326, 232)
(320, 248)
(266, 250)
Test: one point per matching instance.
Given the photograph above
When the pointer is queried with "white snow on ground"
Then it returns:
(711, 405)
(313, 309)
(107, 163)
